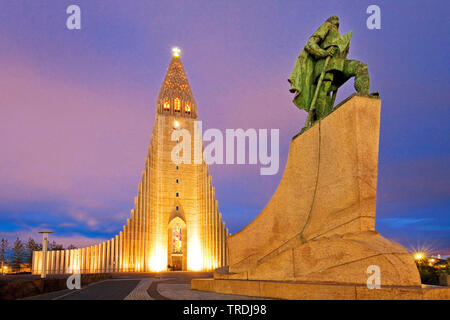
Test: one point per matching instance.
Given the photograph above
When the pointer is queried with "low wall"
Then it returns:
(12, 289)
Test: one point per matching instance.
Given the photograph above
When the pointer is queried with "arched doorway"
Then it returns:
(177, 244)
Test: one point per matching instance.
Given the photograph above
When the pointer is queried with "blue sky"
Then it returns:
(77, 107)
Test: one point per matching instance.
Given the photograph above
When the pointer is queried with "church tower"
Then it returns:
(175, 221)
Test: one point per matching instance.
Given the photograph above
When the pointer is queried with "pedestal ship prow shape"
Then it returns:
(318, 230)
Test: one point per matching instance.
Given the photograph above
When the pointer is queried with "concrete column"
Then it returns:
(111, 255)
(133, 241)
(61, 261)
(38, 257)
(217, 231)
(94, 258)
(91, 259)
(137, 233)
(219, 242)
(103, 257)
(126, 257)
(223, 243)
(108, 256)
(120, 249)
(100, 258)
(87, 263)
(57, 261)
(209, 225)
(116, 254)
(83, 261)
(71, 258)
(50, 262)
(66, 260)
(98, 251)
(214, 228)
(141, 225)
(129, 245)
(33, 263)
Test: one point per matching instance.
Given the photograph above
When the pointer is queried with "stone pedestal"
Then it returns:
(316, 237)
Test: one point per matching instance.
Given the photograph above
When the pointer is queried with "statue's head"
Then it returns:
(334, 20)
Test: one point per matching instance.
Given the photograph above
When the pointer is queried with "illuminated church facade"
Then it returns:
(175, 223)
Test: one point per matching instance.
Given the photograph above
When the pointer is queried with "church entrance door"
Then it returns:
(177, 262)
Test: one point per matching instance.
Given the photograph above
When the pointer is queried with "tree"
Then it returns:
(71, 247)
(18, 254)
(3, 248)
(55, 246)
(32, 246)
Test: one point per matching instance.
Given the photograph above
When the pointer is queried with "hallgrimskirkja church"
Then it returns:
(175, 223)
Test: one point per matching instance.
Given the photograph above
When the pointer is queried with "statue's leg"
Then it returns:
(359, 70)
(323, 104)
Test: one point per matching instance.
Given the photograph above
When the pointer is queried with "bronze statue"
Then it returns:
(321, 68)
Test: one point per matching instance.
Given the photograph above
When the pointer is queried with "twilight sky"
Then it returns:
(77, 107)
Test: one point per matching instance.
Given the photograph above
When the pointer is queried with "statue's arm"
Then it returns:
(312, 46)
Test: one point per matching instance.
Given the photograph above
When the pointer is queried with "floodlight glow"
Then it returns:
(176, 51)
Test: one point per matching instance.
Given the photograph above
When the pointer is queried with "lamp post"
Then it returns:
(44, 251)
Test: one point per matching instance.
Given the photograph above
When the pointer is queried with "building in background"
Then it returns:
(175, 223)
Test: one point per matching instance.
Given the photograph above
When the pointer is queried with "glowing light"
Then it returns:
(425, 250)
(176, 124)
(194, 255)
(176, 52)
(187, 108)
(158, 260)
(75, 266)
(419, 255)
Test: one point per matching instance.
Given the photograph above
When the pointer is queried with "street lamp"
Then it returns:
(419, 256)
(44, 251)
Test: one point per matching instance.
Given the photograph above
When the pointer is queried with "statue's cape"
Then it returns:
(307, 68)
(301, 80)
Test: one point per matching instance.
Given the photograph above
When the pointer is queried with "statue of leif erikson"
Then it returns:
(321, 68)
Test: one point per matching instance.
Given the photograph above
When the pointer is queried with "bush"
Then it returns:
(430, 274)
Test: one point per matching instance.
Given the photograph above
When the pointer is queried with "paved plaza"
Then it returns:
(151, 286)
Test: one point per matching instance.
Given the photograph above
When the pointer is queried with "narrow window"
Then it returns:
(176, 208)
(177, 239)
(177, 194)
(177, 180)
(166, 105)
(187, 108)
(177, 105)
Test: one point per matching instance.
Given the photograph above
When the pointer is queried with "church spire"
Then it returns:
(175, 96)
